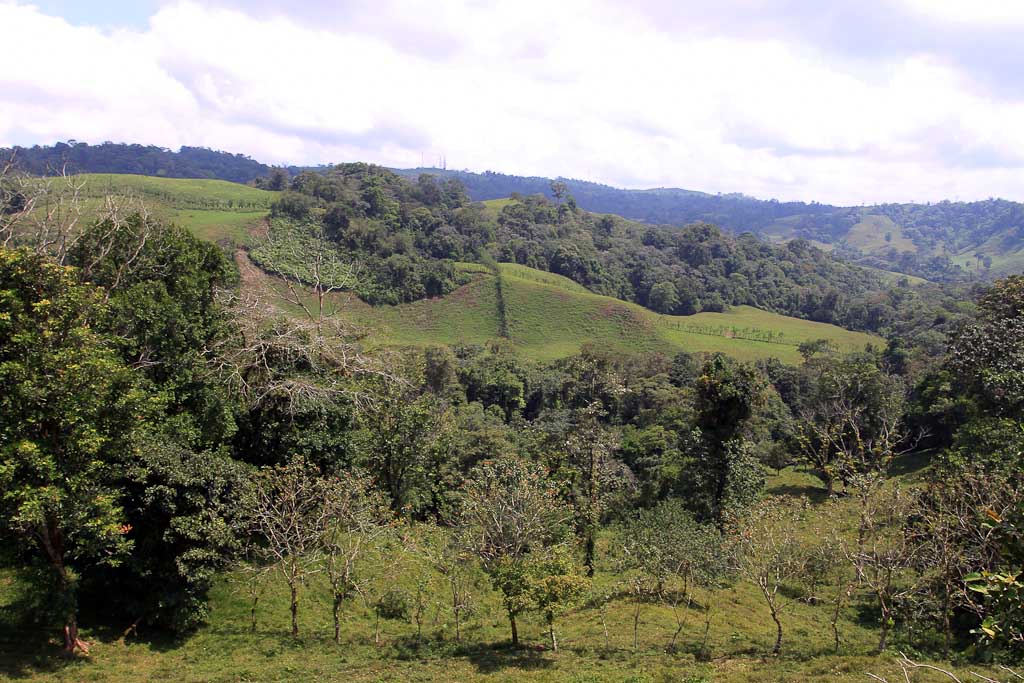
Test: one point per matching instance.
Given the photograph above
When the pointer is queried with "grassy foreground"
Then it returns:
(596, 644)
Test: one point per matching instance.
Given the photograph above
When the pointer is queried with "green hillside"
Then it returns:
(548, 316)
(215, 210)
(596, 643)
(878, 234)
(551, 317)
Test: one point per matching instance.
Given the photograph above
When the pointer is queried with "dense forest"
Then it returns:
(936, 231)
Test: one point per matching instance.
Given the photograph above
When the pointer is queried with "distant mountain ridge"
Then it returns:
(945, 240)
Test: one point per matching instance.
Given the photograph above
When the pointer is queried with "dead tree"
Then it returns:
(291, 344)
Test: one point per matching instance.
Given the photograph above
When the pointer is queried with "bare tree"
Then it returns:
(770, 554)
(42, 213)
(292, 345)
(357, 520)
(908, 666)
(885, 552)
(290, 513)
(450, 559)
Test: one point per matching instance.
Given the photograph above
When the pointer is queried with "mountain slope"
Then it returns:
(548, 318)
(932, 240)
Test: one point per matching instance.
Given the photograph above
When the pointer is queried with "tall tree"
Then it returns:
(69, 409)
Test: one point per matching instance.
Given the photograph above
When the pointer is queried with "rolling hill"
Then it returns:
(944, 240)
(549, 317)
(215, 210)
(940, 240)
(546, 316)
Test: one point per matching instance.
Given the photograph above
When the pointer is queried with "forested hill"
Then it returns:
(406, 236)
(946, 240)
(109, 157)
(942, 241)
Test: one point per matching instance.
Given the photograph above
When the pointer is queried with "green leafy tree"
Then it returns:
(69, 409)
(663, 297)
(398, 442)
(511, 519)
(728, 475)
(556, 586)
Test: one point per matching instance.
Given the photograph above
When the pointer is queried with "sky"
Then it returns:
(844, 102)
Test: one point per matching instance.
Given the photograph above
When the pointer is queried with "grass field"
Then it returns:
(214, 210)
(869, 235)
(596, 644)
(551, 317)
(1006, 252)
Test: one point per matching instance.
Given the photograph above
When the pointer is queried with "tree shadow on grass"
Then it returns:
(911, 463)
(816, 494)
(27, 647)
(498, 657)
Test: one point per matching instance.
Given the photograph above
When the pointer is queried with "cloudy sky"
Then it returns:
(844, 101)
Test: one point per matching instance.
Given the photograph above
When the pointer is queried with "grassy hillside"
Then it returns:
(596, 644)
(1005, 251)
(213, 209)
(551, 317)
(878, 234)
(548, 316)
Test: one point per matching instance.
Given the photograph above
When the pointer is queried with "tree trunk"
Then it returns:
(835, 619)
(883, 637)
(515, 631)
(252, 612)
(636, 624)
(588, 559)
(295, 610)
(336, 612)
(551, 632)
(778, 633)
(51, 538)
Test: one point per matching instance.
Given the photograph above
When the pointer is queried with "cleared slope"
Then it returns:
(215, 210)
(549, 317)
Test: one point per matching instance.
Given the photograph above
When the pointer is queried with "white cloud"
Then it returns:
(575, 88)
(1001, 13)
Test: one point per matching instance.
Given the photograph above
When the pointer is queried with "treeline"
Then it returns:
(110, 157)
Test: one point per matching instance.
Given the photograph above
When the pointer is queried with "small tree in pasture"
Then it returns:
(885, 550)
(511, 519)
(557, 586)
(290, 513)
(770, 554)
(449, 558)
(357, 520)
(668, 553)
